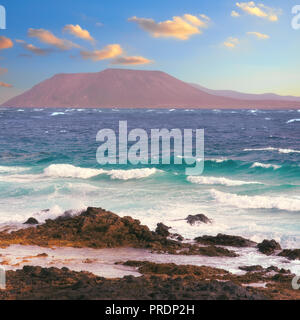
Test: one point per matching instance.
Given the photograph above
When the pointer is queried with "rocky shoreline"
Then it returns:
(97, 228)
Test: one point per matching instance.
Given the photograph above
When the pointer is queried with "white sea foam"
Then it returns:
(56, 211)
(4, 169)
(57, 114)
(280, 150)
(70, 171)
(265, 165)
(131, 174)
(218, 180)
(256, 202)
(218, 160)
(293, 120)
(103, 261)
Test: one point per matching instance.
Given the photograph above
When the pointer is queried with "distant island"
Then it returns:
(122, 88)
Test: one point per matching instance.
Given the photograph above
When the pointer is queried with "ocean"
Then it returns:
(250, 185)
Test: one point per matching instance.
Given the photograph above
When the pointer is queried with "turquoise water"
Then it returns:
(250, 185)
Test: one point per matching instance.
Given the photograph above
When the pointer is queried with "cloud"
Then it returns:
(134, 60)
(78, 32)
(180, 27)
(49, 38)
(5, 85)
(231, 42)
(33, 49)
(3, 70)
(259, 10)
(259, 35)
(235, 14)
(5, 43)
(109, 52)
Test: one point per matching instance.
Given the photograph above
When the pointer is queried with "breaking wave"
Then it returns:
(57, 114)
(218, 180)
(4, 169)
(256, 202)
(265, 165)
(280, 150)
(293, 120)
(70, 171)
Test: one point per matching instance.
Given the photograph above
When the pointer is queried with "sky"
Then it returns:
(246, 46)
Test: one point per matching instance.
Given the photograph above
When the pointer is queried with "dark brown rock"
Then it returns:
(36, 283)
(293, 254)
(192, 219)
(162, 230)
(268, 247)
(179, 238)
(97, 228)
(31, 221)
(225, 240)
(252, 268)
(213, 251)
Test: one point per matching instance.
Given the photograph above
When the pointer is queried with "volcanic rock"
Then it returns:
(268, 247)
(31, 221)
(290, 254)
(225, 240)
(192, 219)
(36, 283)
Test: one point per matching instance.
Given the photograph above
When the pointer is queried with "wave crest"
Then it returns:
(256, 202)
(70, 171)
(4, 169)
(280, 150)
(293, 120)
(218, 180)
(265, 165)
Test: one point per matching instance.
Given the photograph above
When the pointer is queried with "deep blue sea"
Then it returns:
(250, 185)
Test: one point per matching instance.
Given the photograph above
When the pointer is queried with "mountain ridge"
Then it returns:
(247, 96)
(125, 88)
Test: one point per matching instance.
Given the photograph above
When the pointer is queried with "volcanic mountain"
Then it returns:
(123, 88)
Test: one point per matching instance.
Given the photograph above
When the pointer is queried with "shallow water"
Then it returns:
(102, 262)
